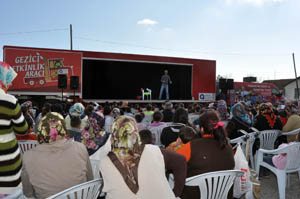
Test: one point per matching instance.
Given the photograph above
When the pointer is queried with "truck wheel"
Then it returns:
(42, 82)
(31, 83)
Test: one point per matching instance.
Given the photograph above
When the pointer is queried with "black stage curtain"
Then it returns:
(124, 80)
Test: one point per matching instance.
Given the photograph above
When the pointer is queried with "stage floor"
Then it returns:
(146, 101)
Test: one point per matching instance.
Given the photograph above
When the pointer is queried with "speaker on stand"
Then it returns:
(62, 84)
(74, 84)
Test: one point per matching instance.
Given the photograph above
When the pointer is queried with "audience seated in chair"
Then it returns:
(170, 133)
(157, 120)
(141, 166)
(12, 122)
(186, 134)
(75, 130)
(210, 153)
(56, 163)
(139, 118)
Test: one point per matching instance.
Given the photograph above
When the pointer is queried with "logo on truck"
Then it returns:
(40, 70)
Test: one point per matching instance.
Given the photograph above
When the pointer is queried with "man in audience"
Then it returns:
(108, 116)
(75, 130)
(167, 112)
(139, 117)
(157, 118)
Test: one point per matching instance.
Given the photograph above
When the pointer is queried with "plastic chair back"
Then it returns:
(214, 185)
(88, 190)
(267, 139)
(293, 157)
(26, 145)
(18, 194)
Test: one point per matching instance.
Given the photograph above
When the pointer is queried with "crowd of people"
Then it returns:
(137, 147)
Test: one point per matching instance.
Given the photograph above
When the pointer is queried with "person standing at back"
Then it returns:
(12, 122)
(165, 80)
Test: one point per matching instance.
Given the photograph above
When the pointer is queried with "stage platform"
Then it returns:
(101, 101)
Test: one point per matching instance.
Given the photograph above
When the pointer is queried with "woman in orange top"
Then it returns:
(210, 153)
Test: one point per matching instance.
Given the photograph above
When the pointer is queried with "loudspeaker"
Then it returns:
(74, 83)
(222, 84)
(230, 84)
(62, 81)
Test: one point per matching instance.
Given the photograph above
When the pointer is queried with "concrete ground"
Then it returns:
(269, 187)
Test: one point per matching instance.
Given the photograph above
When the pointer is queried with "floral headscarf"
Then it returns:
(76, 110)
(266, 110)
(51, 128)
(238, 112)
(7, 75)
(93, 136)
(126, 146)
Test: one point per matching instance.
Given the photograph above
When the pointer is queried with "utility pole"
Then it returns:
(71, 37)
(296, 76)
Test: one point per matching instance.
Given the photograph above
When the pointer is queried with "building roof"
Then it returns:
(280, 83)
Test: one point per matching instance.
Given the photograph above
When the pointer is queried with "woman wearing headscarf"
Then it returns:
(46, 168)
(12, 122)
(137, 170)
(266, 118)
(240, 121)
(77, 110)
(93, 136)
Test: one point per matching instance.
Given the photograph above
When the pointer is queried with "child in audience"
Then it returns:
(186, 134)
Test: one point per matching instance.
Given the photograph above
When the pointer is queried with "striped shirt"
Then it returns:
(12, 122)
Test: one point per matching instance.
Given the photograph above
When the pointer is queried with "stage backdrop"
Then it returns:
(38, 69)
(124, 79)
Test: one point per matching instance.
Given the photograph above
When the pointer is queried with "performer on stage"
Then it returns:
(165, 80)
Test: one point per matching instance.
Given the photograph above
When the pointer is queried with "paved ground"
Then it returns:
(269, 188)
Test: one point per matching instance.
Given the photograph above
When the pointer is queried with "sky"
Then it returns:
(245, 37)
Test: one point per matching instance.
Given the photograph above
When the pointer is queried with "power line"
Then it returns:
(36, 31)
(177, 50)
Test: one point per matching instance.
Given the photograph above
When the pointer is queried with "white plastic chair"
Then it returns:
(214, 185)
(87, 190)
(148, 94)
(292, 164)
(95, 167)
(26, 145)
(18, 194)
(294, 132)
(267, 138)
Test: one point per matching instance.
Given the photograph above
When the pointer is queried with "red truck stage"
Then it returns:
(38, 70)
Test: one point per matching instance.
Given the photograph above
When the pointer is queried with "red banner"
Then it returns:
(38, 70)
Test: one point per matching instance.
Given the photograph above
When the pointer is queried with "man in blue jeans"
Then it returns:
(165, 80)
